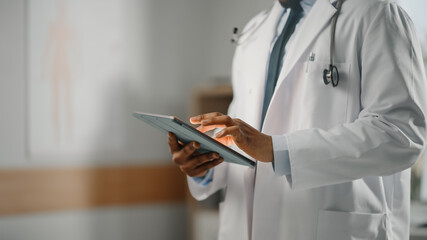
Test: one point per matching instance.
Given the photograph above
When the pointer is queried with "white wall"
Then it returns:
(162, 62)
(172, 47)
(12, 77)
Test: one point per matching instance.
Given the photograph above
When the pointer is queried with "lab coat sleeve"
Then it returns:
(201, 192)
(390, 131)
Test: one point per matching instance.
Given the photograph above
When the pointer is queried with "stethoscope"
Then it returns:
(243, 37)
(330, 75)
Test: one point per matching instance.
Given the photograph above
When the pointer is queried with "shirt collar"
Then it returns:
(307, 5)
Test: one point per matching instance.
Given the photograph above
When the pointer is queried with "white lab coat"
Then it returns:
(350, 147)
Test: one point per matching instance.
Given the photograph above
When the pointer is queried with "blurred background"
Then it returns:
(74, 163)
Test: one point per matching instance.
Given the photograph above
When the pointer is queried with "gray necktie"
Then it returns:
(276, 57)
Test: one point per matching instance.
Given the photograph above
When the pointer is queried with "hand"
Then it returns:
(189, 161)
(235, 131)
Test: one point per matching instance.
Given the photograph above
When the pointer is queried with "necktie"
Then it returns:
(276, 56)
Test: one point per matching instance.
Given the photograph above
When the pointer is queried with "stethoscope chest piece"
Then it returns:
(331, 76)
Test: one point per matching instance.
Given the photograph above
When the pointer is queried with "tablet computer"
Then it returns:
(186, 133)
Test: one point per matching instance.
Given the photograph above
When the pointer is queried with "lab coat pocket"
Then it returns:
(324, 104)
(333, 225)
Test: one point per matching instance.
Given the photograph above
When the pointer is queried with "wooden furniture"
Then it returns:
(212, 99)
(25, 191)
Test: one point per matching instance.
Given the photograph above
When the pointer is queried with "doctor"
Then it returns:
(332, 161)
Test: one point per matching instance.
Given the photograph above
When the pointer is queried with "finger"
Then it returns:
(202, 169)
(173, 143)
(209, 165)
(227, 136)
(227, 140)
(193, 172)
(180, 144)
(201, 159)
(182, 156)
(233, 131)
(196, 154)
(210, 127)
(197, 119)
(219, 120)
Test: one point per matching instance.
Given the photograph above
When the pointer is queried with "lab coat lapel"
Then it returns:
(255, 52)
(266, 35)
(318, 18)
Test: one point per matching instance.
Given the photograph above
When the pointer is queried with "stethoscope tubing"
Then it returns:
(333, 27)
(327, 73)
(243, 37)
